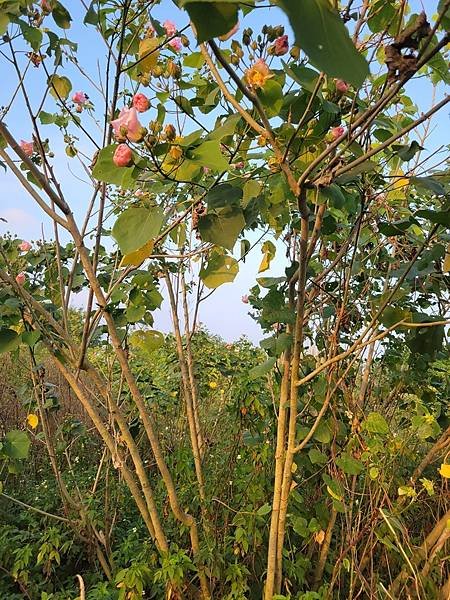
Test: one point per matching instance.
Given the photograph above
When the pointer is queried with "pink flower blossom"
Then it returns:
(123, 157)
(21, 278)
(170, 27)
(245, 299)
(226, 36)
(176, 44)
(342, 86)
(336, 132)
(27, 147)
(139, 193)
(24, 246)
(79, 98)
(127, 125)
(141, 103)
(206, 170)
(281, 45)
(238, 165)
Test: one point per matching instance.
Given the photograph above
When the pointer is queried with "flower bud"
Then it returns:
(21, 278)
(170, 132)
(123, 156)
(295, 52)
(140, 102)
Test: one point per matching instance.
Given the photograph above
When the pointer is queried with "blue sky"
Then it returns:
(223, 313)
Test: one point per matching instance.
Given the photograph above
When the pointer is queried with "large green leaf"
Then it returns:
(263, 369)
(271, 96)
(349, 465)
(61, 16)
(223, 195)
(220, 269)
(209, 155)
(320, 32)
(9, 340)
(222, 227)
(60, 87)
(148, 341)
(211, 19)
(16, 444)
(136, 226)
(376, 423)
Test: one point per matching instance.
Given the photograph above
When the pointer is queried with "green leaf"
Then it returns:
(264, 510)
(407, 151)
(9, 340)
(61, 16)
(211, 19)
(323, 433)
(349, 465)
(31, 338)
(261, 370)
(445, 22)
(317, 457)
(136, 226)
(225, 128)
(4, 22)
(209, 155)
(148, 341)
(33, 35)
(16, 444)
(220, 269)
(304, 76)
(442, 217)
(46, 118)
(320, 32)
(105, 169)
(91, 17)
(223, 195)
(428, 183)
(60, 87)
(251, 190)
(271, 96)
(268, 282)
(222, 227)
(194, 60)
(376, 423)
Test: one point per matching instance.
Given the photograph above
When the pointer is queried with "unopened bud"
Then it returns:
(184, 40)
(170, 132)
(295, 52)
(234, 60)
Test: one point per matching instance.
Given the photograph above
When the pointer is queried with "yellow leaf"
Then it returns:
(319, 536)
(60, 87)
(445, 470)
(33, 421)
(148, 55)
(137, 257)
(446, 265)
(333, 494)
(397, 190)
(269, 251)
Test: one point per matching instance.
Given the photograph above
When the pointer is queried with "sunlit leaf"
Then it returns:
(137, 257)
(219, 270)
(60, 86)
(148, 55)
(136, 226)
